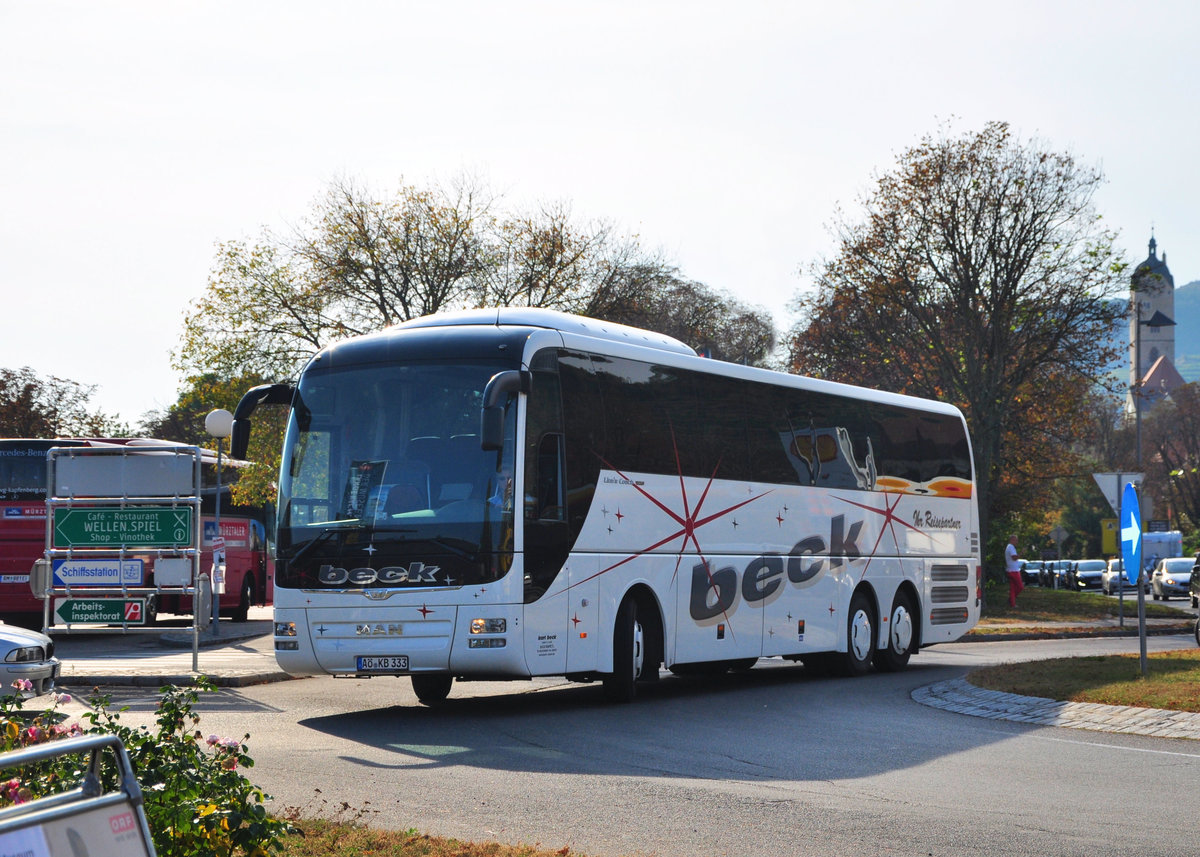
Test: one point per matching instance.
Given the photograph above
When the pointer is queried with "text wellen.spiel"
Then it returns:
(130, 522)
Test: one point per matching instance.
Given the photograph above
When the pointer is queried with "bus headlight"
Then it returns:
(486, 643)
(488, 626)
(286, 629)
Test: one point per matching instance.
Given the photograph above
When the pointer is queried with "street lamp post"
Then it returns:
(218, 424)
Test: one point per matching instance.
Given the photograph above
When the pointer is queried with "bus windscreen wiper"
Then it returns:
(321, 538)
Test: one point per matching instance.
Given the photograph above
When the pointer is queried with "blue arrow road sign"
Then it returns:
(1131, 533)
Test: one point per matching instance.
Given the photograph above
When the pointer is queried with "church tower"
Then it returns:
(1152, 347)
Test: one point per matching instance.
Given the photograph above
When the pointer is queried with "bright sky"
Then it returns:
(134, 136)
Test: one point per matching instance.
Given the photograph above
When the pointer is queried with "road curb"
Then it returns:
(1067, 634)
(962, 697)
(226, 679)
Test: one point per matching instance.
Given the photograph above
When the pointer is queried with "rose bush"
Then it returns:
(197, 800)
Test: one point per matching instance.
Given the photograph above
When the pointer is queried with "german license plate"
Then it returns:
(383, 664)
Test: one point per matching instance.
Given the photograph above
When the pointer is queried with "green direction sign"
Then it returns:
(132, 526)
(103, 611)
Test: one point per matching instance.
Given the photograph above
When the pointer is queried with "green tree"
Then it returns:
(183, 422)
(979, 274)
(32, 406)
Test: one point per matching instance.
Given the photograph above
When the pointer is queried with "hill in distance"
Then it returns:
(1187, 334)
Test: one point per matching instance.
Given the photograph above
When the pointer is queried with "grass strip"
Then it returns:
(1172, 680)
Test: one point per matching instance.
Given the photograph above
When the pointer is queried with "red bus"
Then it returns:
(249, 577)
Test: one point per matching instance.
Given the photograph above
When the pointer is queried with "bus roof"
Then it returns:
(552, 320)
(207, 456)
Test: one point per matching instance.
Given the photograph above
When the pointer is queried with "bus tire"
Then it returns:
(242, 612)
(860, 637)
(629, 654)
(432, 688)
(902, 635)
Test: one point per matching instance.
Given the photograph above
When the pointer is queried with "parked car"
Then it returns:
(1029, 571)
(1085, 574)
(1054, 573)
(1172, 575)
(26, 655)
(1113, 580)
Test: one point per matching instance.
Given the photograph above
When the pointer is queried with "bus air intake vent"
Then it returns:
(950, 594)
(949, 572)
(948, 615)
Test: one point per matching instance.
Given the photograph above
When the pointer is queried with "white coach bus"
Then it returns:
(510, 493)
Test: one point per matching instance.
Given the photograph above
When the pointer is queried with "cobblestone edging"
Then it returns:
(962, 697)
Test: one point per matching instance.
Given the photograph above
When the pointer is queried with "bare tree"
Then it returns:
(360, 263)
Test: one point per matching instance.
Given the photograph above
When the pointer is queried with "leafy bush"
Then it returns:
(197, 800)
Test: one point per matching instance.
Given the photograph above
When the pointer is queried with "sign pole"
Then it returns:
(1131, 558)
(1121, 591)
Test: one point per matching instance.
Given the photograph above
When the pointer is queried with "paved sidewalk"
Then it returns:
(240, 654)
(961, 696)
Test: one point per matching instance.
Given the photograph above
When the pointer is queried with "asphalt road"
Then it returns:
(772, 762)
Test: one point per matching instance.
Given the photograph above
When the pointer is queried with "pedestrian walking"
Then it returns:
(1013, 566)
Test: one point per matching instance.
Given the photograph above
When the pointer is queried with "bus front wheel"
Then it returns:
(901, 636)
(629, 654)
(431, 689)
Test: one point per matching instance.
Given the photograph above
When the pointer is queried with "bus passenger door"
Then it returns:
(583, 613)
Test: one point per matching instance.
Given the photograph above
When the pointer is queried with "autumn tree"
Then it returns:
(978, 274)
(35, 407)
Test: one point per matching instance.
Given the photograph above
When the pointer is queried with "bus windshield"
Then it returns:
(384, 482)
(23, 470)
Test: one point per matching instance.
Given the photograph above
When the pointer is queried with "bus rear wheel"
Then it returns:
(242, 612)
(629, 654)
(432, 689)
(901, 636)
(860, 637)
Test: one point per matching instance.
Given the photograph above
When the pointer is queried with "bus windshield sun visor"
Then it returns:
(491, 426)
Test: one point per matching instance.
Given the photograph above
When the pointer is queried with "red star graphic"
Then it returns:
(891, 519)
(576, 619)
(619, 516)
(689, 521)
(424, 611)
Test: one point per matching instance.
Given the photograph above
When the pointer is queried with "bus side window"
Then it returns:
(547, 539)
(549, 502)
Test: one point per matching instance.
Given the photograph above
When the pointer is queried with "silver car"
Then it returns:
(28, 667)
(1172, 575)
(1113, 579)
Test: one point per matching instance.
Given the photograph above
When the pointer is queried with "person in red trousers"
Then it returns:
(1013, 566)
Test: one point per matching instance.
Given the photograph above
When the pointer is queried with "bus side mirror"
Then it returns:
(498, 389)
(265, 394)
